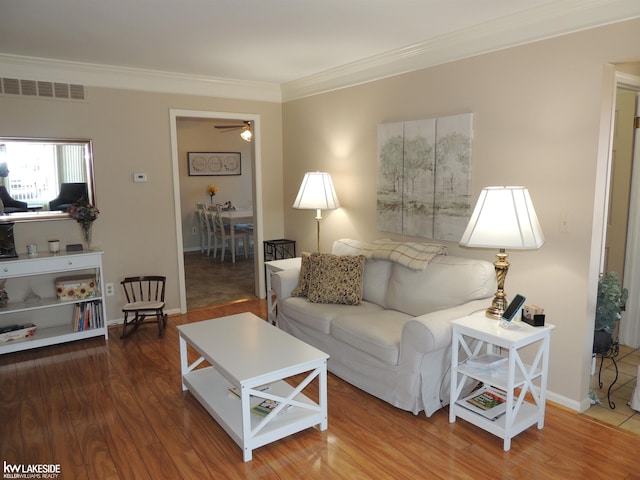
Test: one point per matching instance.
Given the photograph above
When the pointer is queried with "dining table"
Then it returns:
(235, 217)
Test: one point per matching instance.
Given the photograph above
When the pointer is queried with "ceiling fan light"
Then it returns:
(246, 135)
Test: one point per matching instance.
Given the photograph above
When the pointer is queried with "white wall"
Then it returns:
(200, 135)
(131, 133)
(537, 112)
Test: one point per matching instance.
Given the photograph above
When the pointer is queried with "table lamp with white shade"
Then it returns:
(503, 218)
(317, 193)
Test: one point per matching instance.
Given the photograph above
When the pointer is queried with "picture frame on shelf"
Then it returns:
(214, 163)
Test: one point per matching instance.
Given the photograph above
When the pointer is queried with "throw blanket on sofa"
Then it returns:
(415, 256)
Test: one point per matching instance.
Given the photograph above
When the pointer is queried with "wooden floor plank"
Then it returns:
(116, 410)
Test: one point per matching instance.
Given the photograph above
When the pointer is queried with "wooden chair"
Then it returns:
(145, 298)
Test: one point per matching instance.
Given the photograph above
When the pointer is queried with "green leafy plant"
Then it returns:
(611, 301)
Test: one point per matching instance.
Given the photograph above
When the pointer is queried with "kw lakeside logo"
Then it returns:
(36, 470)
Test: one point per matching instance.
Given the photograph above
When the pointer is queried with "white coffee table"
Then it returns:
(245, 352)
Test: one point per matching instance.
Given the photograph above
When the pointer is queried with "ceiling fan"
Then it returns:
(246, 133)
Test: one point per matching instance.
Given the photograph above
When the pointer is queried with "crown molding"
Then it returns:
(93, 75)
(551, 20)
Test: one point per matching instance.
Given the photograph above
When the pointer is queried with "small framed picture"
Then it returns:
(214, 163)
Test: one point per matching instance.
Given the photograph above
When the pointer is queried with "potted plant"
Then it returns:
(610, 302)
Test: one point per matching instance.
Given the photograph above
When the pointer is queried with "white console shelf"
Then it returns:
(53, 317)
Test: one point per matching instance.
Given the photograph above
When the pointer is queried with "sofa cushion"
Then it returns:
(319, 316)
(376, 333)
(305, 274)
(446, 282)
(376, 280)
(336, 279)
(376, 272)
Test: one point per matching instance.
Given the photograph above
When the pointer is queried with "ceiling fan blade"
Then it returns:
(230, 127)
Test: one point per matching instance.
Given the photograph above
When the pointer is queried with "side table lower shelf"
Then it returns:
(527, 417)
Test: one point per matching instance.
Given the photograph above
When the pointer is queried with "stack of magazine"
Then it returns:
(265, 406)
(487, 401)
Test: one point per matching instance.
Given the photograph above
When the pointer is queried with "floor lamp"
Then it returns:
(317, 193)
(503, 218)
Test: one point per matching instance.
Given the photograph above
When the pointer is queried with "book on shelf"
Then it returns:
(266, 406)
(87, 316)
(487, 401)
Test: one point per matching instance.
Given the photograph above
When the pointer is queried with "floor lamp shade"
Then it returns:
(503, 218)
(317, 193)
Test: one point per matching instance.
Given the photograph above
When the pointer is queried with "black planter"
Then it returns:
(602, 342)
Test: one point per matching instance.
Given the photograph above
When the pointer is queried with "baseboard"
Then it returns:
(567, 402)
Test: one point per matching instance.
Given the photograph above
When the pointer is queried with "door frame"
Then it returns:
(612, 79)
(174, 115)
(630, 327)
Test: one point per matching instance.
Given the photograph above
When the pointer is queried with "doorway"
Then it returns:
(621, 229)
(616, 234)
(184, 211)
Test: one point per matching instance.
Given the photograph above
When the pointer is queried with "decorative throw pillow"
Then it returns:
(303, 278)
(336, 279)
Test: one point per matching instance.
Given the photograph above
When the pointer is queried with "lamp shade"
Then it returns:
(504, 217)
(316, 192)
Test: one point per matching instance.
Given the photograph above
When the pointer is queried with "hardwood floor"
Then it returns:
(211, 282)
(115, 410)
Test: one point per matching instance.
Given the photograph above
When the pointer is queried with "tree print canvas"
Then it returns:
(424, 176)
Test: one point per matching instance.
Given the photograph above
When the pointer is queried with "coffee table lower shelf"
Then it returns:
(212, 391)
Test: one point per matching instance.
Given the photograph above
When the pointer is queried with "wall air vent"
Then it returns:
(45, 89)
(11, 86)
(39, 88)
(76, 91)
(28, 87)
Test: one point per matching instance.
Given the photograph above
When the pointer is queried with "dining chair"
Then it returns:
(202, 224)
(223, 233)
(206, 229)
(145, 299)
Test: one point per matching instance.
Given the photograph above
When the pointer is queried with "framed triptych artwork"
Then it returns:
(214, 163)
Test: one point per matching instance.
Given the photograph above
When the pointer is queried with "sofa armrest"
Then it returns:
(432, 331)
(284, 282)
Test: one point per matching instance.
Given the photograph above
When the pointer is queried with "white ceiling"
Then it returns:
(278, 42)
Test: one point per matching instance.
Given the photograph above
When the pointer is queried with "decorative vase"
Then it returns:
(86, 235)
(211, 195)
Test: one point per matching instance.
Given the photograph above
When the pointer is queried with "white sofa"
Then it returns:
(396, 343)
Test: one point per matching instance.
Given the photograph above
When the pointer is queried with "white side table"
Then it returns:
(272, 267)
(517, 379)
